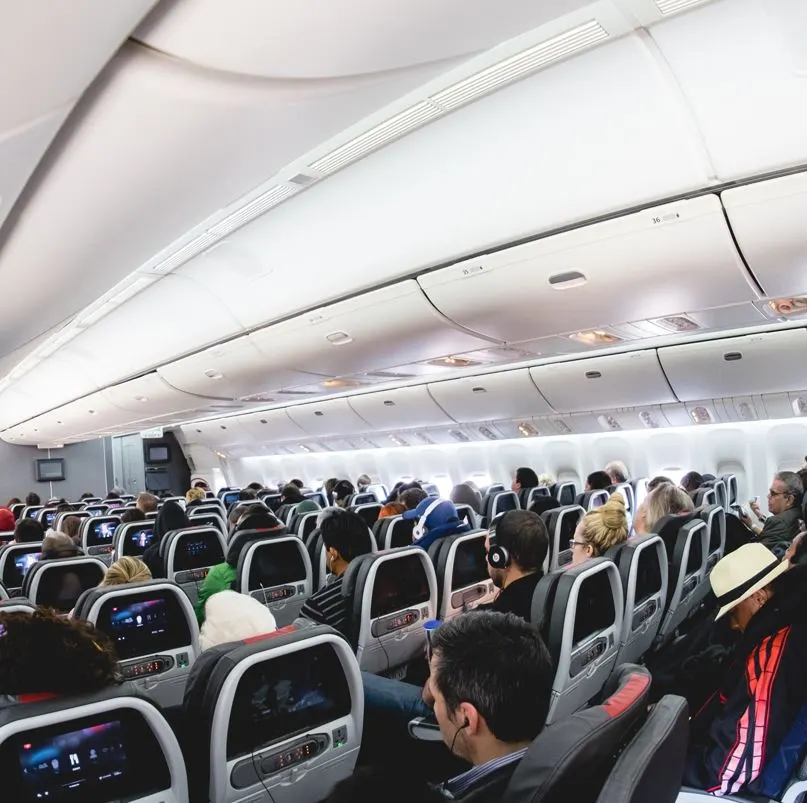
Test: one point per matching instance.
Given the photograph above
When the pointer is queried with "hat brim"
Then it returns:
(768, 578)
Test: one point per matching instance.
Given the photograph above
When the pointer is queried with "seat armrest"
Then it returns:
(425, 729)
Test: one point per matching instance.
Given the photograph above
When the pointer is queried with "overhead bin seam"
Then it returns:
(664, 374)
(750, 276)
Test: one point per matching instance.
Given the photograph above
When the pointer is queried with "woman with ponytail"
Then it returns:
(599, 530)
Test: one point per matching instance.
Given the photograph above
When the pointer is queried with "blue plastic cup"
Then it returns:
(430, 626)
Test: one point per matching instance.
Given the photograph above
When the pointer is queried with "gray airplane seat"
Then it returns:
(651, 767)
(721, 493)
(570, 761)
(4, 595)
(277, 572)
(687, 556)
(704, 497)
(16, 605)
(208, 519)
(318, 554)
(153, 627)
(590, 500)
(205, 509)
(642, 566)
(364, 498)
(497, 502)
(461, 566)
(31, 511)
(561, 524)
(714, 516)
(189, 554)
(528, 495)
(58, 583)
(99, 509)
(625, 490)
(60, 517)
(98, 537)
(285, 512)
(389, 596)
(305, 525)
(393, 532)
(132, 539)
(101, 748)
(276, 718)
(368, 513)
(15, 561)
(639, 487)
(580, 612)
(468, 515)
(293, 524)
(730, 481)
(564, 492)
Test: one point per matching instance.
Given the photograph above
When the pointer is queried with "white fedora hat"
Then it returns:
(737, 576)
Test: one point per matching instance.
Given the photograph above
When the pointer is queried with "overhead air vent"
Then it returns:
(398, 441)
(489, 434)
(254, 209)
(458, 435)
(609, 422)
(647, 418)
(562, 427)
(389, 375)
(746, 411)
(339, 338)
(425, 439)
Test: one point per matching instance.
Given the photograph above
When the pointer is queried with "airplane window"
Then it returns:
(444, 485)
(481, 480)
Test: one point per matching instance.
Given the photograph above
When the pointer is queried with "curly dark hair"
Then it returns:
(45, 652)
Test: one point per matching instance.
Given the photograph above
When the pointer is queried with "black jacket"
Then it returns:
(764, 685)
(517, 597)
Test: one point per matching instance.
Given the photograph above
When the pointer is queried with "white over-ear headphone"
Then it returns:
(419, 528)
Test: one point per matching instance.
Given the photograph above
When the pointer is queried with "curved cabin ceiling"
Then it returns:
(183, 124)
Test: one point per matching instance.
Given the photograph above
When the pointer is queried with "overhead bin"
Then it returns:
(149, 396)
(399, 409)
(509, 394)
(768, 221)
(270, 425)
(328, 418)
(603, 383)
(769, 362)
(661, 261)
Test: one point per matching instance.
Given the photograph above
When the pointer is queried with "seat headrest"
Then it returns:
(570, 760)
(240, 540)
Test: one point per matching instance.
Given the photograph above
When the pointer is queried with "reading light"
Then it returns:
(343, 383)
(595, 337)
(339, 338)
(305, 448)
(700, 415)
(487, 433)
(453, 362)
(398, 441)
(527, 430)
(787, 307)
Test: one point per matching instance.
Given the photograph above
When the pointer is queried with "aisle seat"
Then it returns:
(59, 583)
(16, 605)
(278, 717)
(317, 552)
(393, 532)
(461, 565)
(154, 629)
(368, 513)
(564, 492)
(496, 502)
(580, 612)
(625, 490)
(714, 516)
(189, 554)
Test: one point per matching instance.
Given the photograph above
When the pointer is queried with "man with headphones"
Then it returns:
(517, 546)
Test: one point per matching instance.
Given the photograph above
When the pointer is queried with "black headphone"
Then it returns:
(498, 556)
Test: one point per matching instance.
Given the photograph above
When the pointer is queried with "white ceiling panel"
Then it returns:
(769, 362)
(328, 418)
(510, 394)
(269, 426)
(672, 258)
(399, 409)
(150, 396)
(742, 69)
(768, 221)
(603, 383)
(263, 39)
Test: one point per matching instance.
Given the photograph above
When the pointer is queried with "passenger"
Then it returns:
(86, 495)
(291, 495)
(132, 514)
(546, 479)
(542, 504)
(368, 784)
(70, 526)
(395, 492)
(491, 685)
(392, 509)
(524, 478)
(597, 481)
(114, 494)
(171, 517)
(299, 484)
(15, 500)
(784, 502)
(659, 480)
(222, 576)
(763, 684)
(617, 471)
(342, 491)
(126, 570)
(58, 545)
(255, 486)
(520, 540)
(147, 503)
(28, 531)
(345, 536)
(691, 481)
(44, 653)
(464, 494)
(6, 520)
(33, 500)
(328, 487)
(439, 522)
(230, 616)
(194, 496)
(364, 482)
(201, 484)
(412, 497)
(599, 530)
(664, 500)
(247, 495)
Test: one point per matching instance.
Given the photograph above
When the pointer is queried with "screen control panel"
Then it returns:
(396, 621)
(191, 575)
(581, 660)
(146, 667)
(245, 773)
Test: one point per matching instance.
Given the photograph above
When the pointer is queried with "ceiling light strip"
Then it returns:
(376, 137)
(520, 65)
(668, 7)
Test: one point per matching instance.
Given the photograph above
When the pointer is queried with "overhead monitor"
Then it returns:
(50, 470)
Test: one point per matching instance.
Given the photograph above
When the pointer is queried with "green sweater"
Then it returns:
(219, 578)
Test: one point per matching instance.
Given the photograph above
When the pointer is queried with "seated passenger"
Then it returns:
(659, 480)
(344, 536)
(764, 683)
(664, 500)
(410, 498)
(28, 531)
(132, 514)
(146, 502)
(194, 496)
(491, 683)
(255, 486)
(44, 653)
(599, 530)
(597, 481)
(691, 481)
(342, 491)
(171, 517)
(230, 616)
(201, 484)
(222, 576)
(6, 520)
(32, 499)
(617, 471)
(784, 502)
(524, 478)
(364, 482)
(437, 522)
(464, 494)
(516, 548)
(291, 495)
(328, 487)
(15, 500)
(86, 495)
(70, 526)
(392, 509)
(114, 494)
(58, 545)
(126, 570)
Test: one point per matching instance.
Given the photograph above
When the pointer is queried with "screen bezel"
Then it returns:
(43, 462)
(158, 461)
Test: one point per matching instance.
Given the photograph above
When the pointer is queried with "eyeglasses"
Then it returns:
(771, 492)
(573, 543)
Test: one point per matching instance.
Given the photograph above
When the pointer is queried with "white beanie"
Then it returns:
(230, 616)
